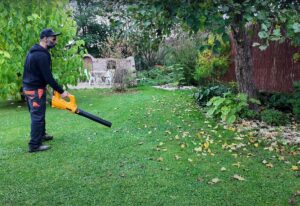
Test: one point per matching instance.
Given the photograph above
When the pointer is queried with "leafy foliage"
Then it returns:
(280, 101)
(92, 31)
(160, 75)
(20, 28)
(204, 94)
(184, 49)
(217, 16)
(274, 117)
(213, 59)
(248, 113)
(295, 100)
(227, 107)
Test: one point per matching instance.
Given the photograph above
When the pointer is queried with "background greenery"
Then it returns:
(20, 29)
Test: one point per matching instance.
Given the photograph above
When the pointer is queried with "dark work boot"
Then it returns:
(39, 149)
(47, 137)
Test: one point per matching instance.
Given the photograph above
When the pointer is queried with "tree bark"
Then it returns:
(243, 61)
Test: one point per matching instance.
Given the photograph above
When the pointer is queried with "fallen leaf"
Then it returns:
(295, 168)
(214, 181)
(190, 160)
(182, 145)
(200, 179)
(238, 177)
(160, 159)
(198, 149)
(223, 169)
(168, 132)
(264, 161)
(256, 144)
(206, 145)
(269, 165)
(177, 157)
(238, 164)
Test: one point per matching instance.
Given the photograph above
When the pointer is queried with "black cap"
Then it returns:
(48, 33)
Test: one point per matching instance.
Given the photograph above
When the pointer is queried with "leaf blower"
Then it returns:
(59, 103)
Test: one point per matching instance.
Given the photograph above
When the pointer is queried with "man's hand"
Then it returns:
(65, 94)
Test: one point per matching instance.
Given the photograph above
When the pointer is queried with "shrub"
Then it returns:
(210, 66)
(213, 59)
(206, 93)
(160, 75)
(249, 114)
(295, 100)
(228, 107)
(280, 101)
(274, 117)
(184, 50)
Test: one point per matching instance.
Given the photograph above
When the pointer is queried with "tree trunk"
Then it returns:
(243, 61)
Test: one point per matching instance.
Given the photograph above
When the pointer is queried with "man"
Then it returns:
(37, 74)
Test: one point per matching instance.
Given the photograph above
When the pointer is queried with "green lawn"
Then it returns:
(148, 157)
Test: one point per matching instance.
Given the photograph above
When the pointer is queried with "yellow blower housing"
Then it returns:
(59, 103)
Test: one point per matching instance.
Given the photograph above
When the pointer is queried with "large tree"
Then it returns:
(90, 27)
(21, 23)
(276, 20)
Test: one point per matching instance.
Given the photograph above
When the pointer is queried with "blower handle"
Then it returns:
(70, 96)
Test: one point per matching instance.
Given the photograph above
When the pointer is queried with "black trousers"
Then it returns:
(36, 102)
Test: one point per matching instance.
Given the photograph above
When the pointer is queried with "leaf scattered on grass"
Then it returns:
(177, 157)
(238, 177)
(223, 169)
(238, 164)
(295, 168)
(160, 159)
(200, 179)
(214, 181)
(168, 132)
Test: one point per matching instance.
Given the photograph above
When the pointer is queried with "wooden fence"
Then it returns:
(274, 68)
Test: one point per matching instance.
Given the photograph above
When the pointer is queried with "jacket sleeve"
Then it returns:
(44, 65)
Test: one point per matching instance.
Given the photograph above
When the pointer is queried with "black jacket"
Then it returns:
(37, 70)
